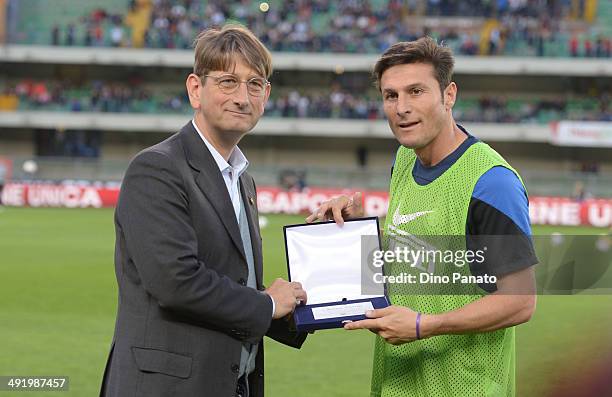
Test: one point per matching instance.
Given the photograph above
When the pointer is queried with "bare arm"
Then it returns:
(512, 304)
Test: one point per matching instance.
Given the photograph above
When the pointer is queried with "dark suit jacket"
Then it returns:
(184, 309)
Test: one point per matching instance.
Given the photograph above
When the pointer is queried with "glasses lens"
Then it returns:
(228, 83)
(256, 85)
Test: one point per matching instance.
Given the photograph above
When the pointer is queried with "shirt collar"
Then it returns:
(237, 160)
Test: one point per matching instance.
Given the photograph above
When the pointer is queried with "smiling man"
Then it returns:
(445, 182)
(192, 308)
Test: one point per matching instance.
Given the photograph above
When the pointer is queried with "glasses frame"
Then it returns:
(231, 91)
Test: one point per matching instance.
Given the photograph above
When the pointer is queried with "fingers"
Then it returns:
(331, 209)
(362, 324)
(377, 313)
(324, 212)
(357, 199)
(337, 212)
(301, 296)
(312, 217)
(374, 326)
(319, 214)
(286, 296)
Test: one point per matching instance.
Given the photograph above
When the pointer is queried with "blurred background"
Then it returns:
(85, 85)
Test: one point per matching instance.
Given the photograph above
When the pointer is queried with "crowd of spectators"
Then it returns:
(531, 28)
(497, 109)
(337, 102)
(95, 96)
(492, 109)
(99, 28)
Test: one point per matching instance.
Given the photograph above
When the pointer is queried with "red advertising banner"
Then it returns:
(59, 195)
(271, 200)
(569, 212)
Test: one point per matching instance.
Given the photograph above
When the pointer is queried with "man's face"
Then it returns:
(414, 105)
(223, 113)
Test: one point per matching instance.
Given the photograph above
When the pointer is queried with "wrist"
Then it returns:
(429, 326)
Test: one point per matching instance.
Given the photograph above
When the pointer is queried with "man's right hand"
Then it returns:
(339, 208)
(286, 296)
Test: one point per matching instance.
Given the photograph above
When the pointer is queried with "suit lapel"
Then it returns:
(211, 183)
(248, 199)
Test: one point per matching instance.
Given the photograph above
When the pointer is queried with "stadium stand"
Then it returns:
(337, 102)
(476, 27)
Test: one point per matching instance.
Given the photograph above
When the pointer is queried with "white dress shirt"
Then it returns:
(230, 170)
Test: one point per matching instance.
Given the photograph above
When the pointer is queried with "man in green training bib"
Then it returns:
(445, 182)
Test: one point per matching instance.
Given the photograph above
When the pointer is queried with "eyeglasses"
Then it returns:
(228, 83)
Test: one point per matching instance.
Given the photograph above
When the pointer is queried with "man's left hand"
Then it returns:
(395, 324)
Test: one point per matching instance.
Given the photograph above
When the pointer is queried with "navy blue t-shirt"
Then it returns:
(499, 207)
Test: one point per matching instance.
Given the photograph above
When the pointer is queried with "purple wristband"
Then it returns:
(418, 325)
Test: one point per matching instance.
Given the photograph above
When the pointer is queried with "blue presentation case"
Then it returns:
(327, 260)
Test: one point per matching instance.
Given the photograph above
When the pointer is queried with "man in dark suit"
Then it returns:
(192, 308)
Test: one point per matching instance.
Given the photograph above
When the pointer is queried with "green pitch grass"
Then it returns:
(58, 298)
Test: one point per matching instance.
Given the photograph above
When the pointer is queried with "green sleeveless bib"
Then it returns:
(448, 365)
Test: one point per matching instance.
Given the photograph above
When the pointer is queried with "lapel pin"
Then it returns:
(251, 200)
